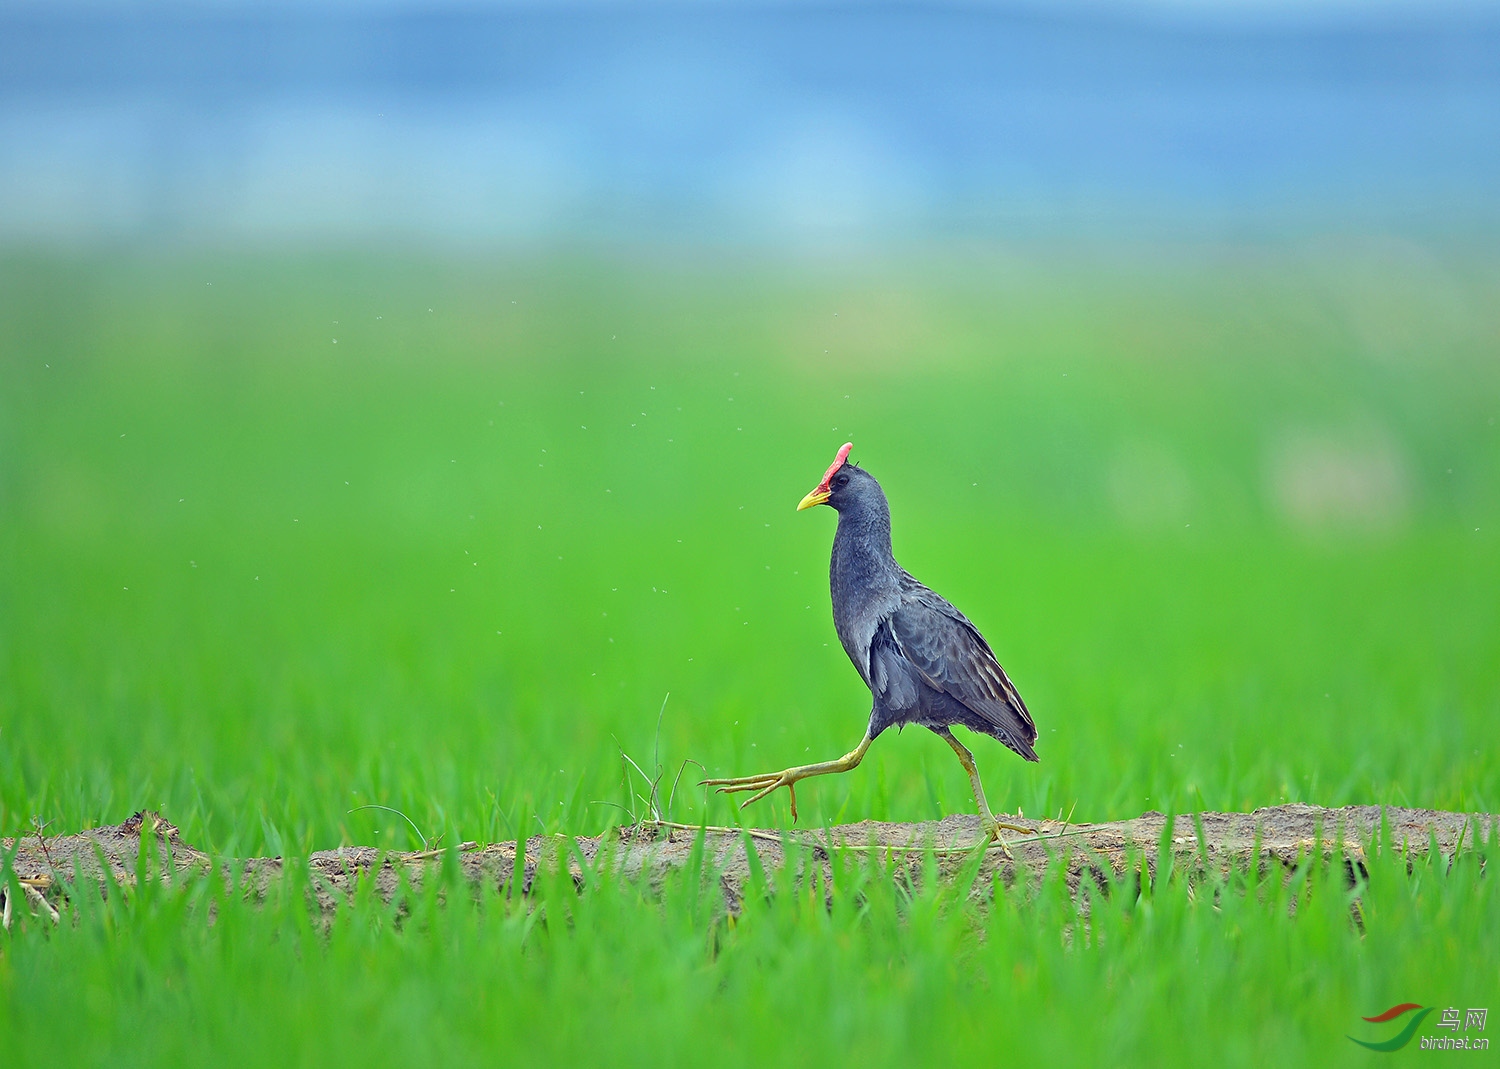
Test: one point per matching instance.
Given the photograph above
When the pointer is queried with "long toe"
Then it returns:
(753, 785)
(742, 783)
(762, 785)
(992, 837)
(767, 789)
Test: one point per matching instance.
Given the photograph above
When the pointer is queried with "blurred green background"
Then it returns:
(286, 535)
(405, 404)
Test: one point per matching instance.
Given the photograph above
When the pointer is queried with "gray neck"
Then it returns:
(865, 525)
(863, 573)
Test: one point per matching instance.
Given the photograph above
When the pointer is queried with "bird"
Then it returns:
(924, 661)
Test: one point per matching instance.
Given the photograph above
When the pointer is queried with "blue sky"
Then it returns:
(761, 122)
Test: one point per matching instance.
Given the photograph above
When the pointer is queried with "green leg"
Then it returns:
(991, 825)
(767, 782)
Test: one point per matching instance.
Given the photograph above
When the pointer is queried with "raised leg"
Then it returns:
(991, 825)
(766, 783)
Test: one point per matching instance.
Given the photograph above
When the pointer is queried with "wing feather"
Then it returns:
(952, 657)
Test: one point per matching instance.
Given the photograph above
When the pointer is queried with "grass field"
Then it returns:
(283, 537)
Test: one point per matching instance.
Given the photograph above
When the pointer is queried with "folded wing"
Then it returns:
(952, 657)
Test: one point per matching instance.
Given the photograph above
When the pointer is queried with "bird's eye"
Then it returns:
(841, 480)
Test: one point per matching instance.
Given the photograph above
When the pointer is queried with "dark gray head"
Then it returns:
(847, 488)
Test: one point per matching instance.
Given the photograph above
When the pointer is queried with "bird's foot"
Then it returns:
(762, 785)
(767, 782)
(992, 835)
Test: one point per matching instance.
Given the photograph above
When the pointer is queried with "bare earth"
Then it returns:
(1284, 834)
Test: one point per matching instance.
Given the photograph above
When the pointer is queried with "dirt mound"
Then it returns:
(1284, 834)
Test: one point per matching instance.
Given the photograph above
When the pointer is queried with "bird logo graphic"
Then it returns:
(1401, 1038)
